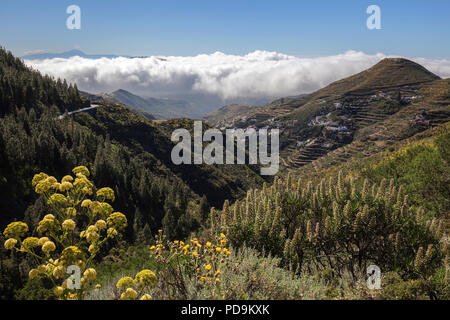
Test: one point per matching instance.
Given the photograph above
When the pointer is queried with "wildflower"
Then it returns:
(71, 254)
(106, 193)
(124, 282)
(92, 236)
(71, 211)
(43, 187)
(203, 279)
(29, 243)
(98, 286)
(217, 280)
(101, 224)
(33, 273)
(56, 186)
(129, 294)
(59, 272)
(48, 247)
(218, 272)
(111, 232)
(209, 244)
(96, 207)
(223, 243)
(67, 179)
(222, 236)
(152, 248)
(146, 297)
(86, 203)
(10, 244)
(68, 225)
(48, 224)
(117, 220)
(83, 184)
(90, 274)
(65, 186)
(42, 268)
(15, 230)
(92, 249)
(146, 278)
(58, 291)
(208, 267)
(218, 249)
(87, 191)
(57, 199)
(38, 178)
(43, 240)
(81, 170)
(195, 254)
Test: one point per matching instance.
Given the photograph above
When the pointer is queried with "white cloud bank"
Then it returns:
(259, 74)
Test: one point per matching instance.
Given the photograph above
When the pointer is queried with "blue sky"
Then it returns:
(188, 27)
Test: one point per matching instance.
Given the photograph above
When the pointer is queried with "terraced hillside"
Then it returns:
(355, 116)
(430, 111)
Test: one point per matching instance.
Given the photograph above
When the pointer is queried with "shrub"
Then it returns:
(339, 224)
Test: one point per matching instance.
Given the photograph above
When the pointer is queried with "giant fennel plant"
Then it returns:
(79, 223)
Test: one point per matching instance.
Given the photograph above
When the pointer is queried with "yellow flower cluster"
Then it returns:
(29, 244)
(106, 193)
(59, 247)
(48, 224)
(15, 230)
(145, 279)
(205, 258)
(68, 225)
(117, 221)
(57, 199)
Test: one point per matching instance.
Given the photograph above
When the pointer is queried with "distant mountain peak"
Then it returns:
(67, 55)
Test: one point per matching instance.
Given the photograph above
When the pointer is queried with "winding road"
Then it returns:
(93, 106)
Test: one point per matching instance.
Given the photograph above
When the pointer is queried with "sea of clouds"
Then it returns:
(224, 77)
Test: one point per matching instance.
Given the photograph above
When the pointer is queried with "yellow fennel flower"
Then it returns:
(146, 278)
(81, 170)
(58, 291)
(33, 273)
(129, 294)
(15, 230)
(125, 282)
(48, 247)
(43, 240)
(68, 225)
(30, 243)
(10, 244)
(106, 193)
